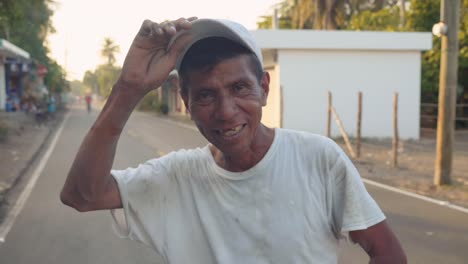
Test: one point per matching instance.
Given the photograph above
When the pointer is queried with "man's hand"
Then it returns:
(89, 185)
(149, 59)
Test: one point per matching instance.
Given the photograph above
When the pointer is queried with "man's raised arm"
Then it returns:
(89, 185)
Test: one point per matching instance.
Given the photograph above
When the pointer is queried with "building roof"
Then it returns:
(10, 50)
(342, 40)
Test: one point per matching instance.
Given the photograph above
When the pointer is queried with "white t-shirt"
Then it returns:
(291, 207)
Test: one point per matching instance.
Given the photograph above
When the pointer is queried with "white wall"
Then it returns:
(307, 75)
(271, 115)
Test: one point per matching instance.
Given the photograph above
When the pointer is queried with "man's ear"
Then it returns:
(185, 98)
(265, 85)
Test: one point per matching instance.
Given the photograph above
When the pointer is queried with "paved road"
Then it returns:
(48, 232)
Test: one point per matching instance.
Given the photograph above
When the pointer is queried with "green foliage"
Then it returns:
(463, 49)
(386, 19)
(107, 76)
(321, 14)
(423, 15)
(108, 51)
(90, 81)
(77, 87)
(164, 108)
(266, 23)
(27, 23)
(382, 15)
(150, 102)
(55, 78)
(104, 76)
(430, 72)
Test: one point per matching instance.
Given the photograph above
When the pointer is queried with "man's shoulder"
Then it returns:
(310, 145)
(307, 138)
(183, 157)
(185, 154)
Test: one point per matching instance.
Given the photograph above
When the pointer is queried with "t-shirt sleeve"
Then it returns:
(143, 191)
(352, 206)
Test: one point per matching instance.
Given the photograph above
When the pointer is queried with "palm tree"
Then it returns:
(323, 14)
(108, 51)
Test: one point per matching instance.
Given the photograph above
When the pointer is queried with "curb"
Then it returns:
(28, 164)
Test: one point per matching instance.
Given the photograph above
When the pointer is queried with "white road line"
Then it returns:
(15, 211)
(417, 196)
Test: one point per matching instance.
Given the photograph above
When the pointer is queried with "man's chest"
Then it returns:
(279, 218)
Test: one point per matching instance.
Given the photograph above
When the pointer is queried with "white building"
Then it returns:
(305, 64)
(9, 53)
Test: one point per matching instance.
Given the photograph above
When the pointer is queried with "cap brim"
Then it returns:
(205, 28)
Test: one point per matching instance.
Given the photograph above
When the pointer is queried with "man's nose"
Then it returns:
(226, 107)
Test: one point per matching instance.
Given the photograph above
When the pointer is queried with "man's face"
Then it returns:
(226, 104)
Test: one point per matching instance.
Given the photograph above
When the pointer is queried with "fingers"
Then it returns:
(167, 28)
(179, 44)
(145, 29)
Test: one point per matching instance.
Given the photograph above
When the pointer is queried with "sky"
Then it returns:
(81, 26)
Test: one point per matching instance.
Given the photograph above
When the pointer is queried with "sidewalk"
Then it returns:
(22, 145)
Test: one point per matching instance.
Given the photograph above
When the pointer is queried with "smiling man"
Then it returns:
(254, 194)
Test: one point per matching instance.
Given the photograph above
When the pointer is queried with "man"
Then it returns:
(254, 194)
(88, 100)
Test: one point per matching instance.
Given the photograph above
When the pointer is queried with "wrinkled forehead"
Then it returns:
(226, 71)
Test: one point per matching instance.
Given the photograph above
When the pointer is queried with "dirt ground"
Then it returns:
(415, 171)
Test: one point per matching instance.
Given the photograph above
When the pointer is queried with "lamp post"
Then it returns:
(447, 29)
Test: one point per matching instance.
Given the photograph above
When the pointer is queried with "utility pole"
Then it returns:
(448, 30)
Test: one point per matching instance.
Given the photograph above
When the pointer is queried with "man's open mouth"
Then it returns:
(231, 132)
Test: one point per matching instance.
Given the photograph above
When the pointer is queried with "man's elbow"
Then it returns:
(401, 259)
(395, 257)
(73, 202)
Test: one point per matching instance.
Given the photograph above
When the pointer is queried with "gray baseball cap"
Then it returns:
(205, 28)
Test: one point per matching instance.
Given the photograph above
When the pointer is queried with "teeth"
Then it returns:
(231, 132)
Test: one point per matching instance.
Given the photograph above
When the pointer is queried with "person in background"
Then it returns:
(51, 105)
(88, 100)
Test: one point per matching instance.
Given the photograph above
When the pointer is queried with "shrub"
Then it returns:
(150, 102)
(164, 108)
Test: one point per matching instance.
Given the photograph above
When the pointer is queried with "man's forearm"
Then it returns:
(90, 172)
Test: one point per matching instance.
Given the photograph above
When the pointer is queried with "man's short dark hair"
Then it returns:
(205, 54)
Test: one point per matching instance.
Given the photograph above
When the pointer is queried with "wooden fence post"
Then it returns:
(343, 132)
(359, 121)
(329, 114)
(395, 129)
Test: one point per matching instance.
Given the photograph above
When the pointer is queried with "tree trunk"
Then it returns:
(402, 14)
(378, 4)
(329, 19)
(319, 8)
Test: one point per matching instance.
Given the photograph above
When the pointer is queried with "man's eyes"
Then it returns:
(208, 96)
(205, 97)
(241, 88)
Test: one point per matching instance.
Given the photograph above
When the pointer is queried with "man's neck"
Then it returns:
(242, 161)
